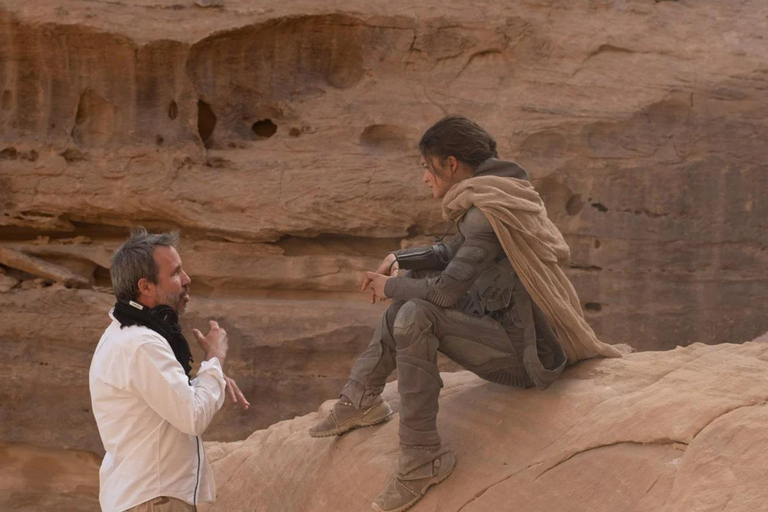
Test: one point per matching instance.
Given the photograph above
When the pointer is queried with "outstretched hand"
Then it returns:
(235, 394)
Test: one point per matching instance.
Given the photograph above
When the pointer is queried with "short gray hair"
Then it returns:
(135, 260)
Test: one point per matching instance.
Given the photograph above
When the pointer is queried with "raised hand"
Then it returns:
(215, 343)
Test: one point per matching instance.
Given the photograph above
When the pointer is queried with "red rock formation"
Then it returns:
(281, 140)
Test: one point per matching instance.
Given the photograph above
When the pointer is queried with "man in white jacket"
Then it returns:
(149, 411)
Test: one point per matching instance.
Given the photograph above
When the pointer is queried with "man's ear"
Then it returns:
(146, 287)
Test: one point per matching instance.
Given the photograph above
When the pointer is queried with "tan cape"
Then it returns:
(536, 249)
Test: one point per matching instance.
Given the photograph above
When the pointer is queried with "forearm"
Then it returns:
(406, 288)
(208, 390)
(478, 252)
(433, 257)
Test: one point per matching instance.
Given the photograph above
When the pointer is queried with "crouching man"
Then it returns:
(149, 411)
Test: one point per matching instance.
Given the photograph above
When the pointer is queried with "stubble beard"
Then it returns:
(176, 301)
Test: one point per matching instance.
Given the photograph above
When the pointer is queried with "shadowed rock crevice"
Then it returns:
(95, 120)
(173, 110)
(206, 123)
(593, 306)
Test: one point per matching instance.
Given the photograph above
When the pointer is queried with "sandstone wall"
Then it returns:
(280, 139)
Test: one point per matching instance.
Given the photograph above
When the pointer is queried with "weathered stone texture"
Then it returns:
(674, 431)
(281, 140)
(669, 431)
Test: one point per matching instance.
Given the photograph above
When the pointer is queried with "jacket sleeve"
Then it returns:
(161, 381)
(480, 249)
(434, 257)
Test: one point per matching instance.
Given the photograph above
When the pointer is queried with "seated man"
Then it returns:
(463, 298)
(149, 411)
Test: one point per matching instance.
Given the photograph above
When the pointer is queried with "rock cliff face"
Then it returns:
(674, 431)
(280, 139)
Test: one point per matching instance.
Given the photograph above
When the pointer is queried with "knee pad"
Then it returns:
(410, 322)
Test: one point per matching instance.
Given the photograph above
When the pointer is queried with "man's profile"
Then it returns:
(149, 411)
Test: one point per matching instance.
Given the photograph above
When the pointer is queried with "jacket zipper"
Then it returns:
(197, 479)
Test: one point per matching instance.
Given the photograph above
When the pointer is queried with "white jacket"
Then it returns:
(150, 419)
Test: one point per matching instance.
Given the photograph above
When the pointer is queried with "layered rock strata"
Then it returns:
(281, 140)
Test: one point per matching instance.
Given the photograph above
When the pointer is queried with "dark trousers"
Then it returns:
(408, 338)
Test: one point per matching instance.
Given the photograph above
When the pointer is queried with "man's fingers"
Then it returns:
(366, 283)
(231, 391)
(241, 399)
(198, 334)
(214, 324)
(237, 395)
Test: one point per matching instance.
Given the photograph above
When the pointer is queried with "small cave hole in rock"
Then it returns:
(173, 110)
(206, 123)
(599, 207)
(294, 132)
(159, 140)
(574, 205)
(9, 154)
(264, 128)
(73, 155)
(593, 306)
(597, 244)
(385, 137)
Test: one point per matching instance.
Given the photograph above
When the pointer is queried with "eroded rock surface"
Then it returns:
(281, 140)
(657, 431)
(642, 123)
(675, 431)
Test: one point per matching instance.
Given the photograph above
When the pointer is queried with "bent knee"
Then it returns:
(412, 318)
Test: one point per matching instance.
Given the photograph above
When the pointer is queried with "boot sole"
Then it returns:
(408, 505)
(379, 414)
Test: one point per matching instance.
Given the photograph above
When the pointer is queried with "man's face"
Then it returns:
(172, 288)
(438, 185)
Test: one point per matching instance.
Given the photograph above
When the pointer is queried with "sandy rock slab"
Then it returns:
(679, 431)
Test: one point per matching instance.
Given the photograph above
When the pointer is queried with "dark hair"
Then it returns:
(459, 137)
(135, 259)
